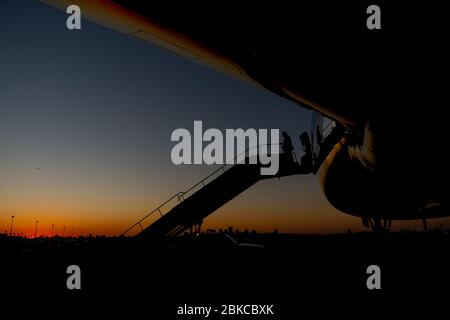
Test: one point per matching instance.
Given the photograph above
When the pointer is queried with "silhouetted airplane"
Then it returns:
(384, 88)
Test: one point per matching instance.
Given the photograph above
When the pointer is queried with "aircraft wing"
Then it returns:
(300, 53)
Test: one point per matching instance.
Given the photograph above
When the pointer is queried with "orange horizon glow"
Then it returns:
(263, 222)
(264, 208)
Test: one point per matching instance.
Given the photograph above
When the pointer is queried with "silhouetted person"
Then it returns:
(307, 158)
(287, 146)
(318, 136)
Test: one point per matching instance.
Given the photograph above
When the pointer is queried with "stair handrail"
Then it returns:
(180, 194)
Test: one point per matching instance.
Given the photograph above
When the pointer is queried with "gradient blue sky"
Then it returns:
(94, 110)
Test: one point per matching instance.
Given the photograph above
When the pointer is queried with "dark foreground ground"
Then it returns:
(301, 275)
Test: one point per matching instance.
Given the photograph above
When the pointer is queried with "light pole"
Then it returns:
(35, 229)
(11, 228)
(51, 235)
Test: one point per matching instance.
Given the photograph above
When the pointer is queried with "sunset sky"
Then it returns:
(85, 125)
